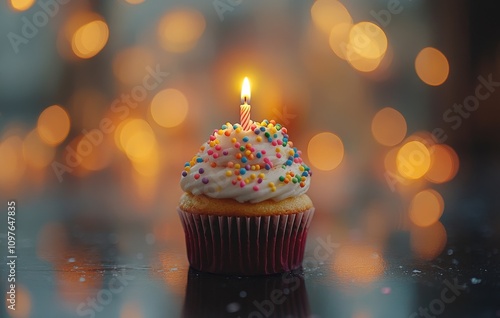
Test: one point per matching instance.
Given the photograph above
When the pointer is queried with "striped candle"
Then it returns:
(245, 108)
(245, 116)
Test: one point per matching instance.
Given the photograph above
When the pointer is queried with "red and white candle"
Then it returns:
(245, 107)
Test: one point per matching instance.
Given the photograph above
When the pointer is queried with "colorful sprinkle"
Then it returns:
(242, 169)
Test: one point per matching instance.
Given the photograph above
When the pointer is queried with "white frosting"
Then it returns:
(219, 158)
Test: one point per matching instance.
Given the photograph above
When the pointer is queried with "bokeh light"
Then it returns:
(368, 40)
(137, 139)
(432, 66)
(131, 309)
(13, 166)
(428, 242)
(413, 160)
(363, 64)
(179, 30)
(37, 154)
(149, 166)
(325, 151)
(135, 1)
(169, 108)
(426, 208)
(328, 13)
(358, 263)
(53, 125)
(21, 5)
(389, 127)
(90, 39)
(339, 39)
(444, 164)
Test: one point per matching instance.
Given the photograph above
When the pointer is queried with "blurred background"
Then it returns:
(393, 104)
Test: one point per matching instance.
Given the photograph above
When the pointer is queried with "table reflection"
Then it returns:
(209, 295)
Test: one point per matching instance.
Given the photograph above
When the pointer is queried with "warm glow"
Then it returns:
(180, 30)
(325, 151)
(36, 153)
(328, 13)
(426, 208)
(339, 40)
(150, 165)
(428, 242)
(432, 66)
(390, 160)
(90, 39)
(413, 160)
(169, 108)
(137, 139)
(358, 263)
(21, 5)
(245, 91)
(388, 127)
(174, 281)
(12, 167)
(131, 309)
(444, 164)
(135, 1)
(98, 158)
(363, 64)
(23, 303)
(53, 125)
(130, 65)
(368, 40)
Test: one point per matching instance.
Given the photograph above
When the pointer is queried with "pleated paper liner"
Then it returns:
(258, 245)
(208, 295)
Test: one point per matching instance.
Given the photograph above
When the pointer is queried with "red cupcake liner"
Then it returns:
(257, 245)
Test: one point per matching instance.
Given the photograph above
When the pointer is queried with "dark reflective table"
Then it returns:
(77, 257)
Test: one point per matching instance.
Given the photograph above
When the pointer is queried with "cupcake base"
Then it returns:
(247, 245)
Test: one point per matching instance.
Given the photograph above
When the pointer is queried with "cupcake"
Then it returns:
(245, 210)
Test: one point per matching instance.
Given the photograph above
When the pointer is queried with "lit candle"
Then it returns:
(245, 107)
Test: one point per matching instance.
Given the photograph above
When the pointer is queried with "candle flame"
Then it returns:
(245, 91)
